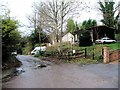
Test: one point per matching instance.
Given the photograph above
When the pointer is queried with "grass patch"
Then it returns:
(112, 46)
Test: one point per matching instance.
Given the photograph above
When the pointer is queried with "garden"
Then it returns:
(77, 54)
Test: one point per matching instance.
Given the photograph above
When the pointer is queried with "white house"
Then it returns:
(68, 38)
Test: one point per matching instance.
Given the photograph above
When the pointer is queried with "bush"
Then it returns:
(10, 37)
(37, 45)
(117, 36)
(27, 49)
(85, 39)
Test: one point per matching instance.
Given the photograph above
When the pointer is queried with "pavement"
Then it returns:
(64, 75)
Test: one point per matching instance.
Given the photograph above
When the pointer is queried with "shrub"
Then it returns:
(85, 39)
(27, 49)
(117, 36)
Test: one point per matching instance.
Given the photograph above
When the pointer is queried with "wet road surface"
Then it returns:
(63, 75)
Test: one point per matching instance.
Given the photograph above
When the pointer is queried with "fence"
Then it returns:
(91, 53)
(71, 54)
(94, 53)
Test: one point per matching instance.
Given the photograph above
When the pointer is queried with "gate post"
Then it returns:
(85, 52)
(106, 55)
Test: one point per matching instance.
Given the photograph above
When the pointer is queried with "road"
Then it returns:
(63, 75)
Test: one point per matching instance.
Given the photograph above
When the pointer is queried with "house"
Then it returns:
(68, 37)
(119, 24)
(76, 34)
(119, 19)
(96, 32)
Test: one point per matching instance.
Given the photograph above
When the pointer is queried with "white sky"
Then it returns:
(20, 9)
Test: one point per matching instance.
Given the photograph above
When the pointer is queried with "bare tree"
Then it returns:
(54, 14)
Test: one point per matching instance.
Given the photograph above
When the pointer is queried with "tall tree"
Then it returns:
(37, 23)
(108, 11)
(94, 23)
(56, 13)
(83, 26)
(35, 37)
(70, 26)
(10, 37)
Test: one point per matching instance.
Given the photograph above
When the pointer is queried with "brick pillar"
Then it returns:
(106, 55)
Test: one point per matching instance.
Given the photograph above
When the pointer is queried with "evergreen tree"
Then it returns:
(88, 23)
(10, 37)
(108, 12)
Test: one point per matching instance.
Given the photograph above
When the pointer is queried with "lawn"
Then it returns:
(112, 46)
(97, 47)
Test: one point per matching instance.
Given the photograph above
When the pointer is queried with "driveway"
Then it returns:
(63, 75)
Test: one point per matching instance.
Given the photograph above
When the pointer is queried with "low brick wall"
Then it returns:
(110, 56)
(114, 55)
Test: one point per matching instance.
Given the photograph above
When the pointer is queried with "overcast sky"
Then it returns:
(20, 9)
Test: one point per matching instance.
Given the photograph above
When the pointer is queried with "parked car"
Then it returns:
(14, 53)
(105, 40)
(38, 49)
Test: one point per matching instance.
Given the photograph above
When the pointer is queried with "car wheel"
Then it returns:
(104, 42)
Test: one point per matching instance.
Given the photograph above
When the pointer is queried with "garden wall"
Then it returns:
(110, 56)
(114, 55)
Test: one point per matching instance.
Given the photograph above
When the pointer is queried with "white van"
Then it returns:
(37, 49)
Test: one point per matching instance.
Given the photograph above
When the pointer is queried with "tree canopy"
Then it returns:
(38, 38)
(88, 23)
(70, 25)
(108, 11)
(53, 15)
(10, 37)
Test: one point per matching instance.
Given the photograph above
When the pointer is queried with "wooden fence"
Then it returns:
(97, 53)
(91, 53)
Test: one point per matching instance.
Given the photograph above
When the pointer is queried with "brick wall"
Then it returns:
(114, 55)
(110, 55)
